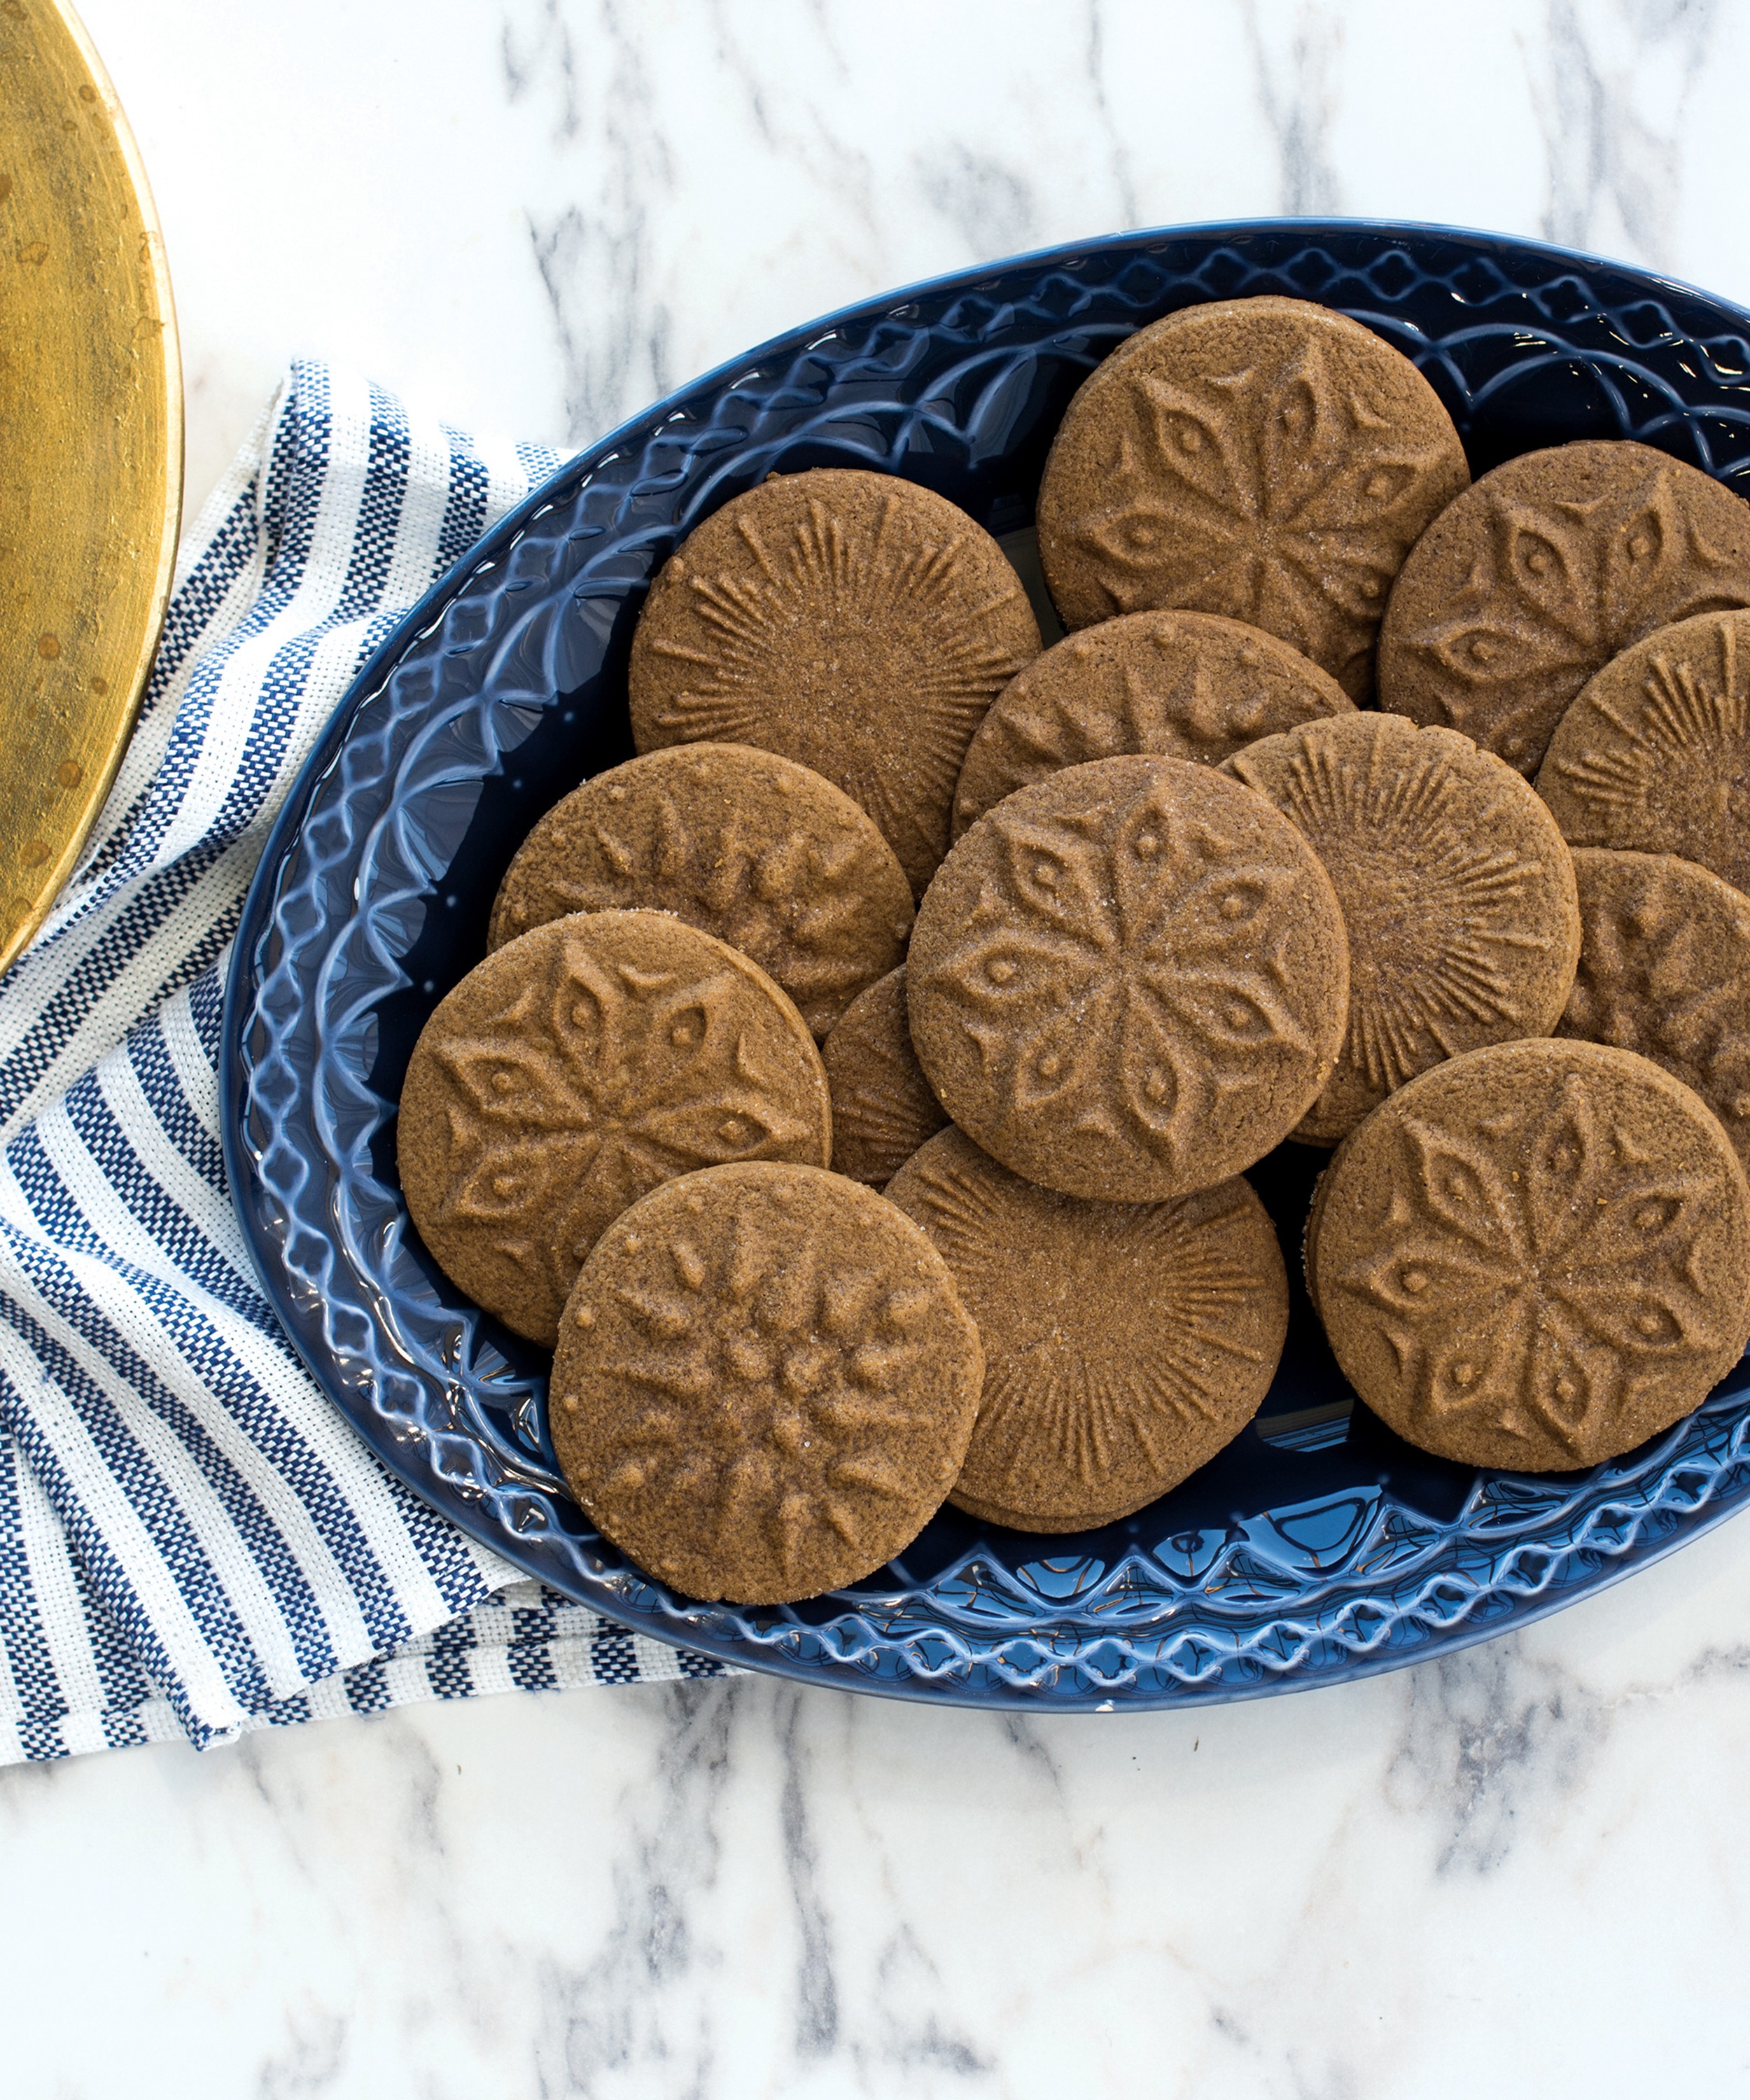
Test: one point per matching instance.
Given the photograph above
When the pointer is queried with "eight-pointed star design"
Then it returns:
(592, 1087)
(1540, 1271)
(1124, 977)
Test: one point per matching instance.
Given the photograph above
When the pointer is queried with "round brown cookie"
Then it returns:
(1542, 573)
(764, 1383)
(1128, 981)
(1264, 458)
(882, 1106)
(853, 621)
(1537, 1255)
(1654, 757)
(753, 848)
(1456, 890)
(1125, 1343)
(1664, 969)
(1182, 685)
(573, 1071)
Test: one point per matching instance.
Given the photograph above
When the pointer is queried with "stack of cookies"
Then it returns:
(858, 1092)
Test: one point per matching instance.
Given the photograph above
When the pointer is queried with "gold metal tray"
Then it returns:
(90, 449)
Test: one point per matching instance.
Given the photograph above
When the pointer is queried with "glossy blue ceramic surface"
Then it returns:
(1317, 1547)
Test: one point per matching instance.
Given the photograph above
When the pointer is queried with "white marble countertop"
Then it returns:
(1522, 1870)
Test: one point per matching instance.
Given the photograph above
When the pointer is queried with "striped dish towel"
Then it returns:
(192, 1541)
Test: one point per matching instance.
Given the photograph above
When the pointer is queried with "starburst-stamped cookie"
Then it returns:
(855, 622)
(760, 851)
(572, 1071)
(1267, 459)
(1535, 1256)
(1654, 756)
(764, 1384)
(1664, 969)
(882, 1109)
(1125, 1343)
(1539, 574)
(1456, 890)
(1128, 981)
(1181, 685)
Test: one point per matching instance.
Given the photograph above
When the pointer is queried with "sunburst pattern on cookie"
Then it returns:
(821, 907)
(1664, 969)
(1082, 1389)
(1458, 935)
(1556, 589)
(1280, 493)
(869, 653)
(772, 1400)
(1655, 755)
(1533, 1272)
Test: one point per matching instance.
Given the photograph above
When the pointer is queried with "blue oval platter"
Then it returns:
(1317, 1547)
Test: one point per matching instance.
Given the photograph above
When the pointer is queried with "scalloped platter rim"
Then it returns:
(1318, 1547)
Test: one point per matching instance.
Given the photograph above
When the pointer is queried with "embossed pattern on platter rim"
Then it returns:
(1176, 1621)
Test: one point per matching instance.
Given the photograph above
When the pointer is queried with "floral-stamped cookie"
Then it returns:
(1535, 1256)
(882, 1109)
(1664, 969)
(1128, 981)
(764, 1383)
(857, 623)
(1180, 685)
(1125, 1343)
(753, 848)
(573, 1071)
(1456, 890)
(1544, 570)
(1654, 757)
(1267, 458)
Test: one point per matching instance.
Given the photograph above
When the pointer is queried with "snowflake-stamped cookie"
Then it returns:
(1535, 1256)
(855, 622)
(1267, 459)
(1664, 969)
(1456, 890)
(1544, 570)
(760, 851)
(1125, 1343)
(1181, 685)
(764, 1384)
(1654, 756)
(572, 1071)
(1128, 981)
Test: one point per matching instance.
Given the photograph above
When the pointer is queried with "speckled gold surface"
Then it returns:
(91, 448)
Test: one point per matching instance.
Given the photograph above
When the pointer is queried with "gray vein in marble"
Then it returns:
(817, 2000)
(989, 205)
(1123, 167)
(1493, 1742)
(312, 2062)
(798, 129)
(548, 59)
(594, 259)
(1025, 1738)
(1612, 160)
(1297, 92)
(642, 2000)
(904, 1976)
(821, 13)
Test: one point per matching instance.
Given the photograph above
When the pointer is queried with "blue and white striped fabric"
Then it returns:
(192, 1541)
